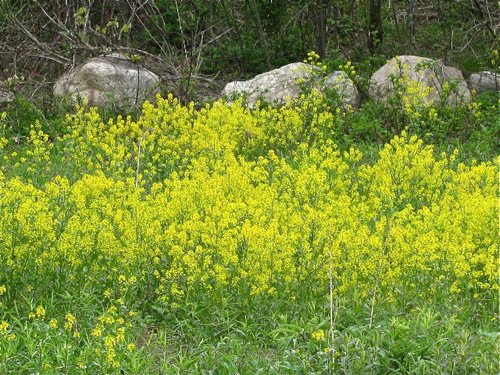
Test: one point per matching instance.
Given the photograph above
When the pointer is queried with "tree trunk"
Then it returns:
(374, 25)
(261, 32)
(320, 12)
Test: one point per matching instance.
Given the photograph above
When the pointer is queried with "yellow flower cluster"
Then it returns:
(348, 69)
(314, 59)
(4, 326)
(38, 314)
(109, 333)
(4, 331)
(494, 58)
(186, 202)
(315, 76)
(318, 335)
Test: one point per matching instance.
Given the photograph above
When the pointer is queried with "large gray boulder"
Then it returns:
(420, 73)
(280, 85)
(484, 82)
(5, 94)
(108, 79)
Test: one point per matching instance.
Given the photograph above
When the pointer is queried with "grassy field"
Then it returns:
(222, 240)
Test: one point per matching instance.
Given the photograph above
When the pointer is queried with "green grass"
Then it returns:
(423, 340)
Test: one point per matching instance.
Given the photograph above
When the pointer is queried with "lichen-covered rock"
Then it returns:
(428, 75)
(108, 79)
(281, 85)
(484, 82)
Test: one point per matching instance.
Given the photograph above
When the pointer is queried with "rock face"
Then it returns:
(280, 85)
(344, 86)
(484, 82)
(108, 79)
(5, 95)
(430, 75)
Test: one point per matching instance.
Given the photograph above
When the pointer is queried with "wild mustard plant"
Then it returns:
(348, 69)
(230, 205)
(316, 73)
(427, 109)
(494, 58)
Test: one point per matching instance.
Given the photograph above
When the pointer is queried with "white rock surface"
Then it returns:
(108, 79)
(280, 85)
(484, 82)
(430, 73)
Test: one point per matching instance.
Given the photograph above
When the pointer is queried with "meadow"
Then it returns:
(304, 239)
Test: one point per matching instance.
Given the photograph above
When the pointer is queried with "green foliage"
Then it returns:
(22, 114)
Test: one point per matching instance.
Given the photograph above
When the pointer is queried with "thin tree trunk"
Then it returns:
(321, 27)
(261, 32)
(374, 25)
(395, 18)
